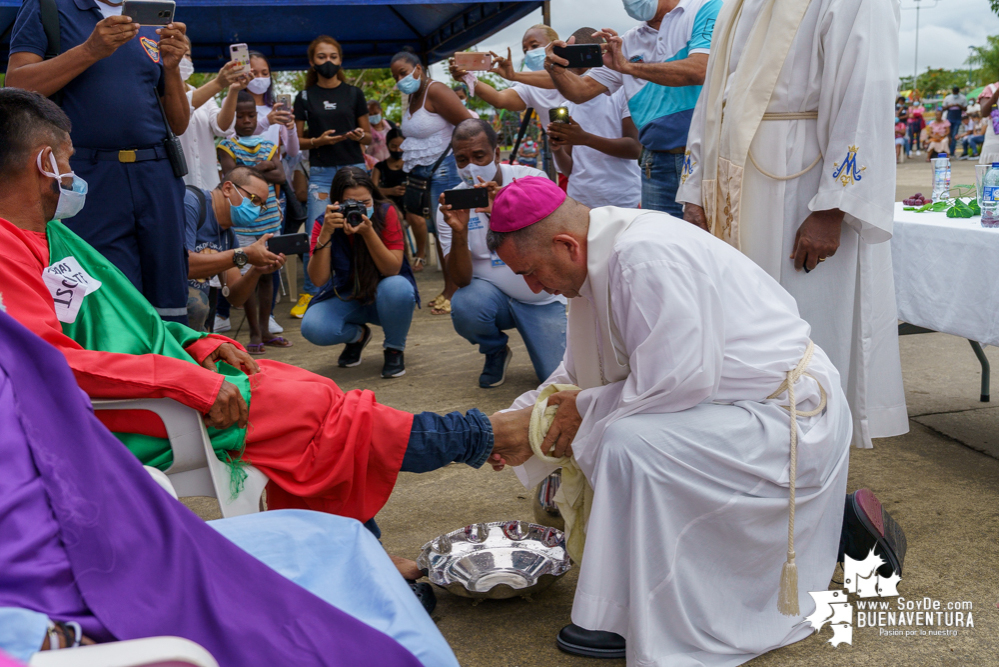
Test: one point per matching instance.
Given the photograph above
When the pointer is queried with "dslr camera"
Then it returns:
(354, 211)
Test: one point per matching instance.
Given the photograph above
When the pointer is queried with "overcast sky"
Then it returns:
(946, 29)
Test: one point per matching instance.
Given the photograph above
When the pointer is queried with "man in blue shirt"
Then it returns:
(110, 76)
(660, 64)
(215, 258)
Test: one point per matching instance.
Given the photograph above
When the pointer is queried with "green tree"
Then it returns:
(985, 59)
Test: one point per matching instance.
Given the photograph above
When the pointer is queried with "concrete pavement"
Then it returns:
(935, 480)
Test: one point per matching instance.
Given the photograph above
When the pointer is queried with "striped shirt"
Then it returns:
(247, 155)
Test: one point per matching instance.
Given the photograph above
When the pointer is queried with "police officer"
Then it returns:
(109, 76)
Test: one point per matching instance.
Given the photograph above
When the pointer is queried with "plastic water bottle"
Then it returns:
(941, 177)
(990, 197)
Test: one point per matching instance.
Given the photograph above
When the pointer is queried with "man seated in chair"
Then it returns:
(94, 550)
(322, 449)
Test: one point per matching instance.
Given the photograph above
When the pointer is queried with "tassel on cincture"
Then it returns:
(787, 598)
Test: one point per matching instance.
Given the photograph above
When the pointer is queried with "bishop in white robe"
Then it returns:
(791, 159)
(680, 345)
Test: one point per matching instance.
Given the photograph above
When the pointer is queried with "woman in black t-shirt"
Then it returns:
(332, 120)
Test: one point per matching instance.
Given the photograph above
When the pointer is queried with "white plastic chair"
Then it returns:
(196, 471)
(148, 652)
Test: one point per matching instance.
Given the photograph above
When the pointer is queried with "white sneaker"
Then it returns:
(221, 324)
(273, 327)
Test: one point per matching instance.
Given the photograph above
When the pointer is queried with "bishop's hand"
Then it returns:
(558, 441)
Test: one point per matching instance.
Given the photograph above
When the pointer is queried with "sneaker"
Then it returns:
(221, 324)
(351, 355)
(298, 310)
(395, 366)
(273, 327)
(494, 371)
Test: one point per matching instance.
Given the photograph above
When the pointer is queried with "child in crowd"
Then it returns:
(388, 175)
(251, 150)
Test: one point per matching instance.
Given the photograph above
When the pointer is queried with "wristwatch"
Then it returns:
(239, 258)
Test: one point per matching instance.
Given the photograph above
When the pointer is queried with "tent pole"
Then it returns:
(546, 12)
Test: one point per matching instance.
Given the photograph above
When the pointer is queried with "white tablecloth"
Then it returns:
(947, 274)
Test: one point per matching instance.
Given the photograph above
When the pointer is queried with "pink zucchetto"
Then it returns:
(524, 202)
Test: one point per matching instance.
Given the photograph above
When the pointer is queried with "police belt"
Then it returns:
(157, 152)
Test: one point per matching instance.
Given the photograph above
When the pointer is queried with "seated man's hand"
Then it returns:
(558, 441)
(695, 215)
(510, 443)
(233, 356)
(229, 408)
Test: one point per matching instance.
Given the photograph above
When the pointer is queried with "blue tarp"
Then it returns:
(371, 31)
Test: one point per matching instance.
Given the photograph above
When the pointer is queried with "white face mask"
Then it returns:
(186, 69)
(470, 173)
(70, 201)
(259, 85)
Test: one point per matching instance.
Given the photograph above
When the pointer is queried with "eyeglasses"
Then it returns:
(254, 199)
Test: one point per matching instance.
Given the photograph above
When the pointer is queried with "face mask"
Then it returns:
(186, 69)
(245, 213)
(408, 84)
(470, 173)
(259, 85)
(374, 119)
(251, 141)
(70, 201)
(534, 59)
(396, 155)
(371, 212)
(327, 70)
(641, 10)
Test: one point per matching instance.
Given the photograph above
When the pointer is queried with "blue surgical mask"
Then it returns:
(71, 201)
(371, 212)
(251, 141)
(641, 10)
(408, 84)
(374, 118)
(245, 213)
(534, 59)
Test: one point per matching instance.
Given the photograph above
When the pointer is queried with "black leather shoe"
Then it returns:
(394, 364)
(351, 355)
(590, 643)
(867, 525)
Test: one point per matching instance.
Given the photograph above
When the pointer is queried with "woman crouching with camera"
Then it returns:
(357, 257)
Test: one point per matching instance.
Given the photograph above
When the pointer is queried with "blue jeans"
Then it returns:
(954, 129)
(333, 322)
(481, 312)
(445, 178)
(437, 440)
(660, 181)
(320, 180)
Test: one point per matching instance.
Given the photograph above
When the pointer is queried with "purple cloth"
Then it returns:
(89, 536)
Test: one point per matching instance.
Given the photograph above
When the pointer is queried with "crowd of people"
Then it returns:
(730, 309)
(956, 123)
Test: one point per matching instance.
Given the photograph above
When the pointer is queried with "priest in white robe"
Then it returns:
(790, 159)
(681, 347)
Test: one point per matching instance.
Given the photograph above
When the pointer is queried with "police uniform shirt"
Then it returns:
(211, 238)
(113, 103)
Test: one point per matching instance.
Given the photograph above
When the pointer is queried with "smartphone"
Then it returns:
(558, 115)
(149, 12)
(285, 99)
(473, 62)
(289, 244)
(240, 53)
(464, 198)
(580, 55)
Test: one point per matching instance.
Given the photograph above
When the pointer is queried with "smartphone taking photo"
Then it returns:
(580, 55)
(289, 244)
(467, 198)
(240, 53)
(285, 99)
(473, 62)
(149, 12)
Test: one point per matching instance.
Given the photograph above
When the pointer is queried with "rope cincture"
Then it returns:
(787, 597)
(787, 115)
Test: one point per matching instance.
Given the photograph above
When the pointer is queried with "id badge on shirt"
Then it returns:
(495, 259)
(68, 284)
